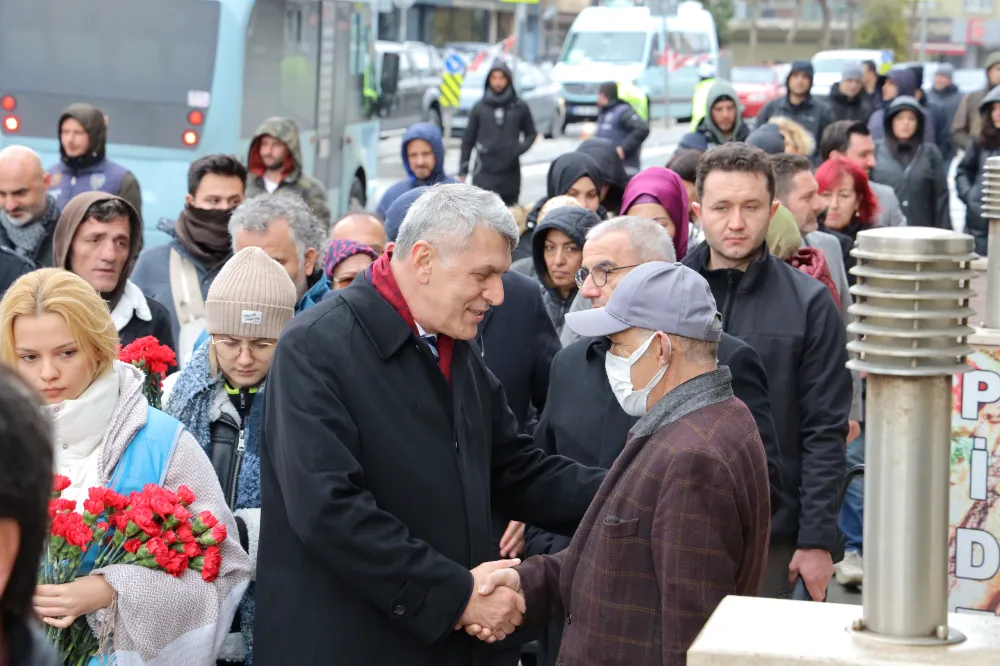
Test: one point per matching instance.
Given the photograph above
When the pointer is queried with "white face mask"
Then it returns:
(620, 377)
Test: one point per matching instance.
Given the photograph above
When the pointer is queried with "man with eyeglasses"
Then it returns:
(582, 419)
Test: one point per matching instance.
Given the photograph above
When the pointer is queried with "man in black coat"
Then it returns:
(582, 419)
(619, 123)
(501, 129)
(943, 100)
(386, 442)
(791, 321)
(12, 266)
(847, 98)
(799, 104)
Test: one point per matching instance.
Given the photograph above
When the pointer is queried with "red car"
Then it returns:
(756, 86)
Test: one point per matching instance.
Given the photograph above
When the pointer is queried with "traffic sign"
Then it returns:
(454, 64)
(451, 86)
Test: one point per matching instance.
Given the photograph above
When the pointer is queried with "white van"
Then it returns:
(661, 55)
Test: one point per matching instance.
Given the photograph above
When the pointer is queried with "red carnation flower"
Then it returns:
(93, 507)
(79, 535)
(114, 500)
(184, 533)
(182, 514)
(176, 563)
(142, 517)
(169, 537)
(60, 505)
(132, 545)
(60, 483)
(191, 549)
(204, 522)
(210, 567)
(185, 496)
(159, 551)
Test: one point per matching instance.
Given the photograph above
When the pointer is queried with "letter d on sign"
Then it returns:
(979, 387)
(965, 566)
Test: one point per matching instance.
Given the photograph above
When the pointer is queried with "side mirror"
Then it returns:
(389, 83)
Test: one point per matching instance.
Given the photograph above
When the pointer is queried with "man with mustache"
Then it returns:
(28, 216)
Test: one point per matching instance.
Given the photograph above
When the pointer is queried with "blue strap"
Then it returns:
(146, 460)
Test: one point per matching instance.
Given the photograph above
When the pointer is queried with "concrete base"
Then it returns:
(775, 632)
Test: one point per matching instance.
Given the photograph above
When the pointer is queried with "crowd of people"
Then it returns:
(639, 377)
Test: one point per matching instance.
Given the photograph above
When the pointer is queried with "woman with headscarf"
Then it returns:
(574, 174)
(612, 172)
(345, 260)
(659, 194)
(912, 166)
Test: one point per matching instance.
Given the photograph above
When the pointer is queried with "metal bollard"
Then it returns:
(991, 212)
(911, 321)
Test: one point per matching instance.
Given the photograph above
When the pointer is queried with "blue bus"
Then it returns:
(178, 79)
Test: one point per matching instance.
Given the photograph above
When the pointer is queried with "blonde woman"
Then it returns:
(797, 140)
(57, 333)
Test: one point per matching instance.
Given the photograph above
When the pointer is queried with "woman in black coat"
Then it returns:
(969, 176)
(912, 166)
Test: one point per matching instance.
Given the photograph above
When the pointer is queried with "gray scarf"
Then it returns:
(692, 395)
(26, 239)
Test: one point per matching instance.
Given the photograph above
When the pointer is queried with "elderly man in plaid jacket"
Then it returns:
(683, 517)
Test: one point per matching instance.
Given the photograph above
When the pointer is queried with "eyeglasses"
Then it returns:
(230, 350)
(599, 274)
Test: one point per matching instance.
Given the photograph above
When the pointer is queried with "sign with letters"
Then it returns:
(974, 500)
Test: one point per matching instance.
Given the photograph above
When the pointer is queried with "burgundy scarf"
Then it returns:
(811, 261)
(385, 284)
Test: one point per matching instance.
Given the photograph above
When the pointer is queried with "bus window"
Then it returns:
(282, 57)
(54, 53)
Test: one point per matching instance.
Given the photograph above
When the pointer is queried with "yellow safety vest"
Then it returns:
(699, 101)
(632, 94)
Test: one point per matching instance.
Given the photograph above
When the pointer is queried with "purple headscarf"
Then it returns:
(341, 249)
(662, 186)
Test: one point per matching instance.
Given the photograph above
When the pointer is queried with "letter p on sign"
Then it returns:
(979, 387)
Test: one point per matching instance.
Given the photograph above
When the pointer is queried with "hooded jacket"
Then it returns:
(668, 189)
(574, 222)
(612, 171)
(969, 177)
(619, 123)
(293, 179)
(968, 122)
(432, 135)
(813, 114)
(707, 134)
(563, 172)
(857, 108)
(92, 170)
(501, 129)
(905, 81)
(135, 316)
(914, 169)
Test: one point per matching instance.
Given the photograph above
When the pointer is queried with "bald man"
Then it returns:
(28, 214)
(362, 228)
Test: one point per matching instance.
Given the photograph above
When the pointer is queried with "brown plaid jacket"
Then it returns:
(681, 521)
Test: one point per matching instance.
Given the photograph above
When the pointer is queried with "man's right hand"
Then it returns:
(493, 614)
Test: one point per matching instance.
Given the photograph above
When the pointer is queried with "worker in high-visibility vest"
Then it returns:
(634, 96)
(700, 98)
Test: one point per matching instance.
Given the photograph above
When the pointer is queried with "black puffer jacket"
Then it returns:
(944, 105)
(501, 129)
(793, 324)
(12, 266)
(813, 114)
(914, 169)
(857, 108)
(969, 175)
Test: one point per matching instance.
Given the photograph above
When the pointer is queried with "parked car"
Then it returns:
(756, 86)
(543, 96)
(416, 98)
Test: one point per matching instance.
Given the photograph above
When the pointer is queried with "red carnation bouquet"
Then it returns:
(152, 358)
(154, 529)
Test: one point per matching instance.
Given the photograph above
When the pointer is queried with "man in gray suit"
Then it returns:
(852, 140)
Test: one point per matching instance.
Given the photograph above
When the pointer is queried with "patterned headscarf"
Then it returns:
(341, 249)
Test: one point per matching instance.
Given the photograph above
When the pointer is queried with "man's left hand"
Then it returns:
(853, 430)
(512, 541)
(816, 568)
(621, 153)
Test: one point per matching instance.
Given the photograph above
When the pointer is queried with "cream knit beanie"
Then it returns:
(252, 296)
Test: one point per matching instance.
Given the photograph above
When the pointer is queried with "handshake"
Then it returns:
(496, 606)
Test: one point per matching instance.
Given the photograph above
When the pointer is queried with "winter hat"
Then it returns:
(905, 81)
(945, 69)
(783, 236)
(397, 211)
(851, 70)
(802, 66)
(768, 138)
(252, 296)
(341, 248)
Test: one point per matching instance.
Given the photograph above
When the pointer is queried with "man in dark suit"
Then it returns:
(683, 517)
(386, 442)
(582, 419)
